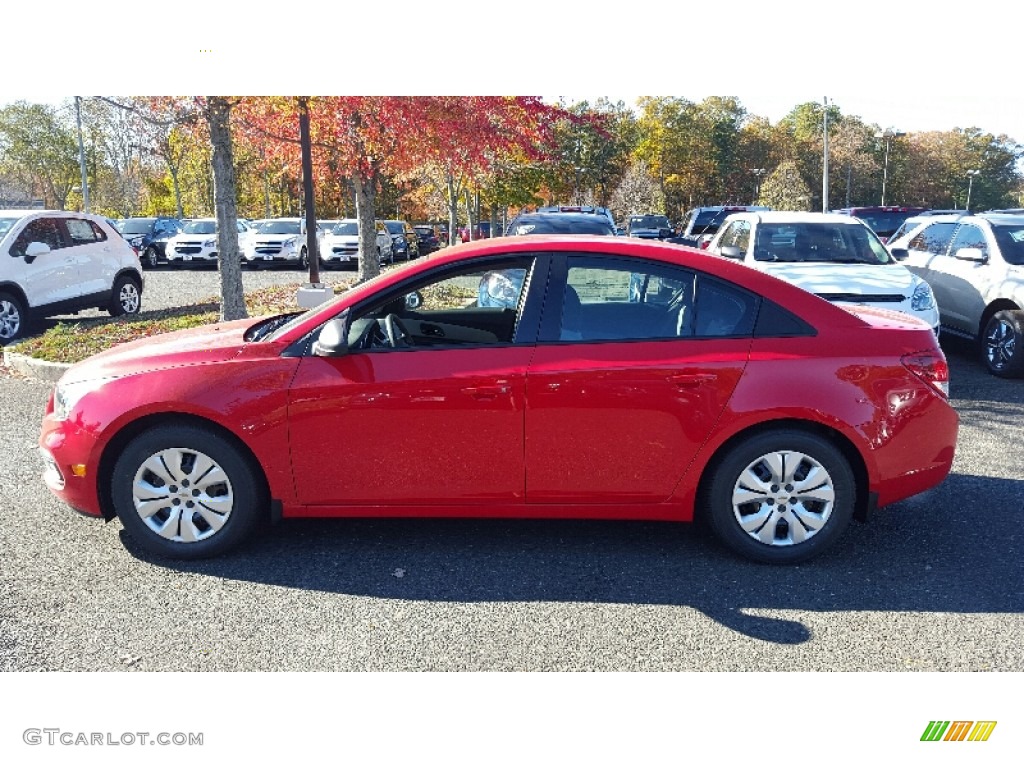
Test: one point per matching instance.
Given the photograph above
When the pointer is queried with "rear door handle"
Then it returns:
(690, 380)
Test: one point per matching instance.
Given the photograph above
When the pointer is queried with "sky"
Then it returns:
(910, 66)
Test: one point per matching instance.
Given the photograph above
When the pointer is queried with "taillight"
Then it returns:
(930, 367)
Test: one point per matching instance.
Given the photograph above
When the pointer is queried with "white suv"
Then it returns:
(340, 244)
(277, 241)
(59, 262)
(835, 256)
(197, 243)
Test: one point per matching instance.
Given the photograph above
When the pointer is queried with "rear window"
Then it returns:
(561, 225)
(1011, 242)
(648, 222)
(137, 226)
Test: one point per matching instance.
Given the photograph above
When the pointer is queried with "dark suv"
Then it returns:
(405, 243)
(649, 226)
(148, 235)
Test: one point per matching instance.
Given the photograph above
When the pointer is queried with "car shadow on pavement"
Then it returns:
(957, 548)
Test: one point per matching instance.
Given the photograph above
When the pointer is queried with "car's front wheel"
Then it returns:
(186, 492)
(126, 298)
(150, 258)
(780, 497)
(304, 259)
(13, 318)
(1003, 343)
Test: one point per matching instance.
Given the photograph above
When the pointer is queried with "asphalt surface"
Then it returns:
(932, 583)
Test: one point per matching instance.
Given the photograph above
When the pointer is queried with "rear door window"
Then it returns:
(934, 238)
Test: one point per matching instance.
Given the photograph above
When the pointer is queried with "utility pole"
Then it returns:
(824, 167)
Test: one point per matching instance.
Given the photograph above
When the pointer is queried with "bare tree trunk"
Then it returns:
(453, 210)
(369, 260)
(232, 297)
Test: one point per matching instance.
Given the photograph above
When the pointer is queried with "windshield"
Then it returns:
(649, 222)
(201, 227)
(137, 226)
(1010, 238)
(424, 231)
(299, 319)
(346, 228)
(6, 224)
(395, 227)
(278, 228)
(817, 243)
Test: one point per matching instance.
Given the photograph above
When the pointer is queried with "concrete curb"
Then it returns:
(33, 368)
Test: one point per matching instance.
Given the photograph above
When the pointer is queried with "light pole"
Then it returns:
(970, 184)
(758, 173)
(887, 135)
(81, 155)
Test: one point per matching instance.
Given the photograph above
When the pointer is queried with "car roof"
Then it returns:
(792, 217)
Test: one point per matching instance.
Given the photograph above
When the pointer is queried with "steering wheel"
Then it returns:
(398, 334)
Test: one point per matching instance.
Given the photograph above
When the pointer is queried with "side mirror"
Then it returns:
(899, 253)
(34, 249)
(971, 254)
(731, 252)
(333, 339)
(413, 300)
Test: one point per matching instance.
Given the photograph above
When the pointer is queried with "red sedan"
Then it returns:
(560, 377)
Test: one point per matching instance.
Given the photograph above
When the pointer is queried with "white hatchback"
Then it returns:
(61, 262)
(834, 256)
(197, 243)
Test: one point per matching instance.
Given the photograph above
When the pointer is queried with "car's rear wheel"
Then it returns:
(186, 492)
(13, 318)
(780, 497)
(126, 298)
(1003, 343)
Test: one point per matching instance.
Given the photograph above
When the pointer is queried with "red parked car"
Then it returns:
(626, 379)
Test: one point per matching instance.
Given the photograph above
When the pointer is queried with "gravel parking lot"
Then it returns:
(932, 583)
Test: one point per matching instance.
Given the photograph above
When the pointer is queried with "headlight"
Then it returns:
(290, 242)
(923, 297)
(136, 242)
(211, 243)
(65, 396)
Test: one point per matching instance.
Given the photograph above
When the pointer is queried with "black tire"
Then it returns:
(223, 512)
(14, 319)
(1002, 344)
(740, 487)
(126, 298)
(150, 258)
(303, 259)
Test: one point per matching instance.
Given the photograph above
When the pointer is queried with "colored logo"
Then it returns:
(958, 730)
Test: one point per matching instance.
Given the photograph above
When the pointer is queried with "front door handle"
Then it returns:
(487, 392)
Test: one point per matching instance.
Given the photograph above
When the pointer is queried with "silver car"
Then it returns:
(975, 266)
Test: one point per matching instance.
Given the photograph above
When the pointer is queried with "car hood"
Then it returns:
(865, 279)
(195, 346)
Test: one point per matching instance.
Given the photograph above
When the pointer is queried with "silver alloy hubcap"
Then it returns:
(129, 298)
(10, 320)
(783, 498)
(1000, 345)
(182, 495)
